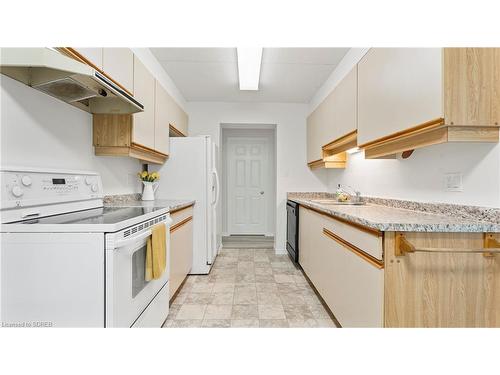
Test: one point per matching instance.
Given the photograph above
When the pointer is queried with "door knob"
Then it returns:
(261, 192)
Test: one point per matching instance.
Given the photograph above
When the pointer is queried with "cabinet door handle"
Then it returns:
(403, 246)
(356, 250)
(174, 227)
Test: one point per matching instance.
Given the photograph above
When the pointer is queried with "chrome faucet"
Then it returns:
(356, 197)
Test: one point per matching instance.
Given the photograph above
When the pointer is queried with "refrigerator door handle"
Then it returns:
(216, 175)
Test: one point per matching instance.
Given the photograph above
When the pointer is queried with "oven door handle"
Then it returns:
(134, 239)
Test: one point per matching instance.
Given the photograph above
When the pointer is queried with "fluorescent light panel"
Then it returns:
(249, 61)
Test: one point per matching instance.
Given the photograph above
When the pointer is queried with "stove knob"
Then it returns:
(88, 180)
(26, 180)
(17, 191)
(94, 188)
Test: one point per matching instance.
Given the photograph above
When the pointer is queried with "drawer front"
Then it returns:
(368, 241)
(180, 215)
(156, 312)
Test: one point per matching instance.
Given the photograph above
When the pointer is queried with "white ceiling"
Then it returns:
(211, 74)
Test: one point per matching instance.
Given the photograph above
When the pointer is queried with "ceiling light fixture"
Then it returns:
(249, 61)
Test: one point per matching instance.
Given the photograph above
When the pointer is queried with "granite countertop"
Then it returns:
(390, 219)
(171, 204)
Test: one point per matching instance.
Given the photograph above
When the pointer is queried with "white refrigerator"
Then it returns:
(191, 173)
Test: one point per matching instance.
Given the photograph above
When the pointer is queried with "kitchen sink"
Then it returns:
(333, 202)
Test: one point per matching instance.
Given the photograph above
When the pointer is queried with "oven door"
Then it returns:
(128, 294)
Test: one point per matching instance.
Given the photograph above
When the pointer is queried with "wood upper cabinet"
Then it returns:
(414, 97)
(93, 55)
(118, 63)
(398, 88)
(163, 105)
(472, 86)
(144, 92)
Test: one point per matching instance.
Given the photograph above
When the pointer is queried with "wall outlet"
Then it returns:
(453, 182)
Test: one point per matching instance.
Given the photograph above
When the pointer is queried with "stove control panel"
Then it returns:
(24, 187)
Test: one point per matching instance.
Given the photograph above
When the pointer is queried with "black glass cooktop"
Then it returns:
(104, 215)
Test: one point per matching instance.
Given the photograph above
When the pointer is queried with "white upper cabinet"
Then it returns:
(314, 138)
(118, 63)
(178, 118)
(181, 120)
(398, 88)
(163, 104)
(344, 110)
(93, 55)
(144, 92)
(333, 118)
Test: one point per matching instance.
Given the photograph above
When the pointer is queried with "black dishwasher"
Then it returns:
(292, 230)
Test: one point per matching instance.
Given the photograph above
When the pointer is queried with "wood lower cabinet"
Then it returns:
(365, 289)
(445, 289)
(181, 247)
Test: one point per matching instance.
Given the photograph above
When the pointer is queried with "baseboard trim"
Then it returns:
(280, 251)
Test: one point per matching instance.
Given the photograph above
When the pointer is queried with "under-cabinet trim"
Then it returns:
(341, 144)
(148, 149)
(372, 231)
(181, 223)
(354, 249)
(335, 161)
(135, 151)
(426, 126)
(176, 131)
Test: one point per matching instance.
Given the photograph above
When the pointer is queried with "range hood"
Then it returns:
(66, 79)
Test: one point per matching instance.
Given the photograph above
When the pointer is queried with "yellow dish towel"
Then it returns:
(156, 252)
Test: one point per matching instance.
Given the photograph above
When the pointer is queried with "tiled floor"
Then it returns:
(248, 288)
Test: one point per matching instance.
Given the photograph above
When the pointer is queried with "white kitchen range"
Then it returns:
(68, 261)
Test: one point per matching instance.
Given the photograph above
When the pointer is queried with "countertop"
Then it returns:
(390, 219)
(171, 204)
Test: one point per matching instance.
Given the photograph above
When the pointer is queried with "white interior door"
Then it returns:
(248, 180)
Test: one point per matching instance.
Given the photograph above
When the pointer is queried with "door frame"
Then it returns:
(250, 131)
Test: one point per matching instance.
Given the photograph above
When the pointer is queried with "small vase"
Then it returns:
(148, 193)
